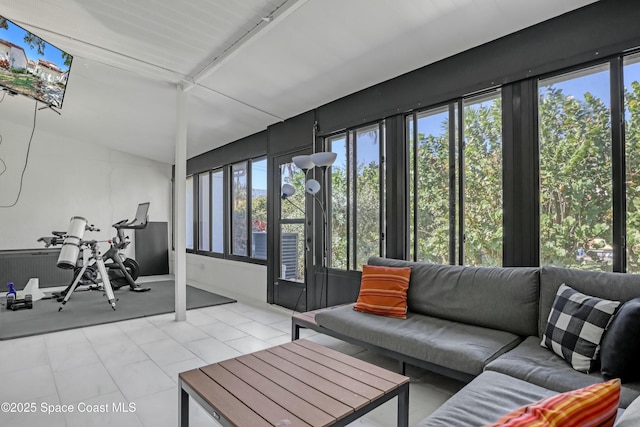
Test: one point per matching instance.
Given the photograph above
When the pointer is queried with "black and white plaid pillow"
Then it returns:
(576, 325)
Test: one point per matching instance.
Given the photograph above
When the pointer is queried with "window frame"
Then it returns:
(618, 192)
(351, 140)
(457, 180)
(228, 212)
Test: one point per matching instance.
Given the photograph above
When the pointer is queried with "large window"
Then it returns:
(189, 212)
(240, 209)
(230, 211)
(482, 180)
(259, 209)
(430, 185)
(576, 205)
(204, 235)
(632, 149)
(357, 200)
(217, 211)
(455, 189)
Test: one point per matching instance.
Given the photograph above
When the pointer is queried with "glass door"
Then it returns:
(291, 239)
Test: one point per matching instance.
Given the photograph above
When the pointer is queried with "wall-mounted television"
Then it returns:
(31, 66)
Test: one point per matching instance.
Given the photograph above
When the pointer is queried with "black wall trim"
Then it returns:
(619, 166)
(520, 175)
(598, 30)
(243, 149)
(291, 134)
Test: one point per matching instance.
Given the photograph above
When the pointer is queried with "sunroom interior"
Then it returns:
(469, 133)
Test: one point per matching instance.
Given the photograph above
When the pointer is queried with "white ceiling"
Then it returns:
(247, 63)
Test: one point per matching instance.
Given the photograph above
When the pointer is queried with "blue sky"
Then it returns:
(597, 84)
(16, 34)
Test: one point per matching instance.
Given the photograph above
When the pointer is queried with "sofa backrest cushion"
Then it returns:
(612, 286)
(500, 298)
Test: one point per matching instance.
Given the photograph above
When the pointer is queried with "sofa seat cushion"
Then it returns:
(535, 364)
(484, 400)
(457, 346)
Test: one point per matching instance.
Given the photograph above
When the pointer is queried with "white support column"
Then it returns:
(180, 220)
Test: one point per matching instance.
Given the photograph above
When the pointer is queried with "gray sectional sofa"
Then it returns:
(484, 326)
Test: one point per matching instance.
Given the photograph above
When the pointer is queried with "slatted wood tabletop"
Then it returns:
(300, 383)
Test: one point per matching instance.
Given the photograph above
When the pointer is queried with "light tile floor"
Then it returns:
(125, 373)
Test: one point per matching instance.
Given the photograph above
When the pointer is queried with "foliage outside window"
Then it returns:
(429, 222)
(482, 181)
(259, 209)
(339, 204)
(189, 212)
(217, 211)
(632, 151)
(436, 187)
(204, 241)
(576, 206)
(356, 183)
(239, 209)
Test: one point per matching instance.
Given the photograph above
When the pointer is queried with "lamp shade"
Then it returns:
(312, 186)
(324, 158)
(287, 191)
(302, 162)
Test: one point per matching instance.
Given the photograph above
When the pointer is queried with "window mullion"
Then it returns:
(618, 165)
(461, 182)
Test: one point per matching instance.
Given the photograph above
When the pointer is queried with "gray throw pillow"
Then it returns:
(575, 326)
(620, 350)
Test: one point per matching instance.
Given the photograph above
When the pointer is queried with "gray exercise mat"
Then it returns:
(87, 308)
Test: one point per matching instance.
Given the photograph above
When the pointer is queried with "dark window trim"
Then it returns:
(618, 164)
(250, 204)
(227, 215)
(455, 111)
(351, 142)
(215, 171)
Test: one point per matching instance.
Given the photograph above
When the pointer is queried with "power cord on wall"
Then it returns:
(26, 160)
(4, 165)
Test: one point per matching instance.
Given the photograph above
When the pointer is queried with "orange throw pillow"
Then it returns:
(383, 291)
(592, 406)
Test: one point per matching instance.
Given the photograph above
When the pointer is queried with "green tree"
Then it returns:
(575, 180)
(34, 42)
(632, 151)
(432, 232)
(483, 183)
(575, 186)
(482, 186)
(67, 59)
(356, 186)
(3, 23)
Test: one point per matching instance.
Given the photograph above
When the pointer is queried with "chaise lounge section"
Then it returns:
(484, 326)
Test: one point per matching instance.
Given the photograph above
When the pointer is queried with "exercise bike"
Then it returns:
(120, 270)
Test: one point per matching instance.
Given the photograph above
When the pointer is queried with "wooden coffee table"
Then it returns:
(300, 383)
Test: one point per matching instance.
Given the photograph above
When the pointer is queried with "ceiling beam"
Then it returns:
(266, 24)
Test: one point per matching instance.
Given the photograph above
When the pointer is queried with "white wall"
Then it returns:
(66, 178)
(229, 278)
